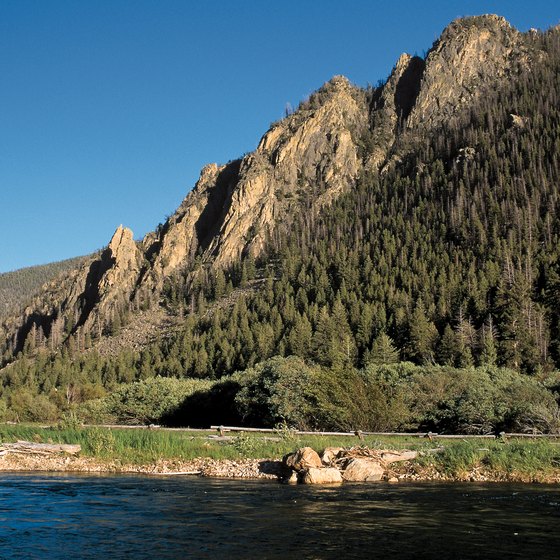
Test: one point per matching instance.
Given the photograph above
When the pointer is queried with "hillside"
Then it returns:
(415, 221)
(19, 286)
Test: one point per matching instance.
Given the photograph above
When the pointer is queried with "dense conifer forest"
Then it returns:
(453, 254)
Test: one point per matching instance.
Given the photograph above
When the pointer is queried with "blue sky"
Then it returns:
(108, 109)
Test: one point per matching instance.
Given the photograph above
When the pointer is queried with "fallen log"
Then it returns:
(177, 473)
(32, 448)
(389, 457)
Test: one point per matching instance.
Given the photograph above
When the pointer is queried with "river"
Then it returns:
(50, 516)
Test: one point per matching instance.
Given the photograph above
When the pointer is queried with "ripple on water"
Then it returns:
(59, 516)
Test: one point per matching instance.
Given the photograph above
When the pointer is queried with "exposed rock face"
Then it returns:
(312, 153)
(392, 104)
(195, 222)
(87, 298)
(517, 121)
(105, 282)
(122, 260)
(125, 263)
(471, 54)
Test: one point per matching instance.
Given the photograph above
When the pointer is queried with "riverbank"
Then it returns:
(256, 469)
(206, 467)
(163, 453)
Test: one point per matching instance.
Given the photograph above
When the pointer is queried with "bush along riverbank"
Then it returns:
(249, 455)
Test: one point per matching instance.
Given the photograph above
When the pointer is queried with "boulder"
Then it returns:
(322, 476)
(363, 470)
(303, 459)
(293, 478)
(330, 454)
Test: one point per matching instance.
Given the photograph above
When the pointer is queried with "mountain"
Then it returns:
(424, 210)
(19, 286)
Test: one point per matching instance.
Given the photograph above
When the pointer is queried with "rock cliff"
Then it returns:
(471, 54)
(311, 153)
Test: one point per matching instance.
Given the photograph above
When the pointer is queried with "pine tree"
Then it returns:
(422, 336)
(301, 337)
(383, 350)
(488, 351)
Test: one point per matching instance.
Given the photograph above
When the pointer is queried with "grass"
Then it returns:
(514, 457)
(145, 446)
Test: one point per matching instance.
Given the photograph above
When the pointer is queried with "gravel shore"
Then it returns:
(242, 468)
(247, 469)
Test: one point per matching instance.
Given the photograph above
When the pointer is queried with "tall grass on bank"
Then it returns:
(145, 446)
(139, 446)
(522, 457)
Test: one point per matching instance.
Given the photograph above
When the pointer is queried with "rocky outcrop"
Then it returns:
(106, 283)
(471, 55)
(88, 298)
(356, 464)
(124, 262)
(391, 106)
(194, 224)
(310, 155)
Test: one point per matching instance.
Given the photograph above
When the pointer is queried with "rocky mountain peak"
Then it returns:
(124, 255)
(122, 247)
(311, 153)
(470, 54)
(109, 282)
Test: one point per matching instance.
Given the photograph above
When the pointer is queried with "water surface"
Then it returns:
(50, 516)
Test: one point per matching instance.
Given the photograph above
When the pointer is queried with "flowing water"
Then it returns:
(47, 516)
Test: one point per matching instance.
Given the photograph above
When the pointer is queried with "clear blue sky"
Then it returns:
(108, 109)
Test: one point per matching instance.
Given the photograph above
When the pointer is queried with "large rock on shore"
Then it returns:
(322, 476)
(330, 454)
(363, 470)
(303, 459)
(356, 464)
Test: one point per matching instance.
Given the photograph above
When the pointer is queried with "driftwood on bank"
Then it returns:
(32, 448)
(177, 473)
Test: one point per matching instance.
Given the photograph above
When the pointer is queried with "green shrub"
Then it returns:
(348, 400)
(278, 390)
(478, 401)
(24, 406)
(148, 401)
(95, 411)
(3, 410)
